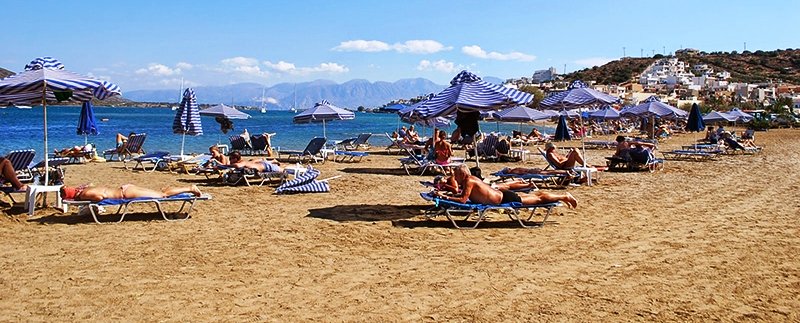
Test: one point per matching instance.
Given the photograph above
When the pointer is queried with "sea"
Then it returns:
(23, 128)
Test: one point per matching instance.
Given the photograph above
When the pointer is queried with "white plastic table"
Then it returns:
(586, 171)
(34, 190)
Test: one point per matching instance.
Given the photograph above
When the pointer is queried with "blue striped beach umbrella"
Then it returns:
(45, 80)
(87, 124)
(304, 183)
(716, 116)
(321, 112)
(740, 115)
(605, 113)
(653, 107)
(468, 93)
(187, 118)
(578, 95)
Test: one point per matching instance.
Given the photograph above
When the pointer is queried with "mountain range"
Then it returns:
(284, 96)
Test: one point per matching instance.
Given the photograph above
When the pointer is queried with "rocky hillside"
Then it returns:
(5, 73)
(750, 67)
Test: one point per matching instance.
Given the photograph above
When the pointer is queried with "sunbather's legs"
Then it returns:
(573, 158)
(8, 173)
(540, 197)
(515, 185)
(132, 191)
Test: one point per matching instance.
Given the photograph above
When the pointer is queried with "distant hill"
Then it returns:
(350, 94)
(5, 73)
(750, 67)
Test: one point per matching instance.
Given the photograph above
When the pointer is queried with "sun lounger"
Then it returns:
(545, 180)
(688, 155)
(349, 156)
(122, 211)
(621, 164)
(8, 190)
(250, 177)
(157, 159)
(132, 147)
(451, 209)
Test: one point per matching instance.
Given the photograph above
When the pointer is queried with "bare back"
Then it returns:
(479, 192)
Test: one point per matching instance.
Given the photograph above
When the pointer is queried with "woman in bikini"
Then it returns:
(127, 191)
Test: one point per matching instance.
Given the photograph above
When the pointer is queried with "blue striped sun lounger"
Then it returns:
(183, 198)
(349, 156)
(450, 209)
(688, 155)
(545, 180)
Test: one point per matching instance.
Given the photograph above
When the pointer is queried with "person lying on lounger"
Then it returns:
(127, 191)
(569, 161)
(449, 184)
(8, 173)
(217, 158)
(261, 165)
(476, 191)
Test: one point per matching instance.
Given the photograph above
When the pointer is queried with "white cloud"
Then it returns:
(593, 61)
(245, 65)
(362, 46)
(184, 65)
(420, 47)
(155, 69)
(440, 65)
(281, 66)
(240, 61)
(416, 46)
(289, 68)
(477, 51)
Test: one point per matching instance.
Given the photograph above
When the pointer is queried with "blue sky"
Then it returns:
(155, 44)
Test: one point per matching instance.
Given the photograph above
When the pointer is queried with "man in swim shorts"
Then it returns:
(475, 190)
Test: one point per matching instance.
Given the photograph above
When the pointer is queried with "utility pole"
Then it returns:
(745, 46)
(565, 69)
(654, 52)
(641, 52)
(664, 50)
(623, 51)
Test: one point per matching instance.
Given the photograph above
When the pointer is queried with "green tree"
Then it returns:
(538, 95)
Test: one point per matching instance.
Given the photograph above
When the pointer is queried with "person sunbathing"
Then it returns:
(569, 161)
(217, 158)
(475, 190)
(127, 191)
(75, 151)
(261, 165)
(8, 173)
(449, 184)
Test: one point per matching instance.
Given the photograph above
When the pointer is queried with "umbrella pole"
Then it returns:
(324, 132)
(583, 137)
(183, 141)
(44, 112)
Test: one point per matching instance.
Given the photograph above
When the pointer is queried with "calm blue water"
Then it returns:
(22, 129)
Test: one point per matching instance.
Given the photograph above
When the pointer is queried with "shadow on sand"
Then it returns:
(368, 213)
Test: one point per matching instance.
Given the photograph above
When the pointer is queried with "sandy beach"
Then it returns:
(697, 241)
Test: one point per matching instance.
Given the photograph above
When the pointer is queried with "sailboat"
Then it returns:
(294, 100)
(263, 109)
(180, 96)
(22, 106)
